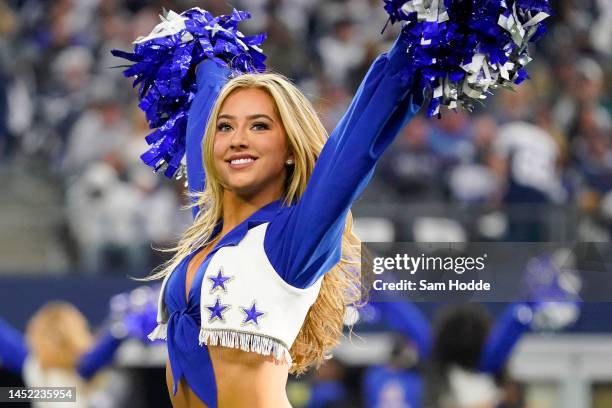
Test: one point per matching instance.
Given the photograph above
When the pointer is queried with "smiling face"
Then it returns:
(250, 145)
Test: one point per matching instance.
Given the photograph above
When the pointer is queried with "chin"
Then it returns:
(242, 189)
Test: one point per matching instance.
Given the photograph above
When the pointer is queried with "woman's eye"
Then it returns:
(260, 126)
(224, 127)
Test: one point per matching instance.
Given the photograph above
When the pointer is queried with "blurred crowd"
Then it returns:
(69, 116)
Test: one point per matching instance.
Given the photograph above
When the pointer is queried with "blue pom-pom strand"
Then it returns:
(464, 49)
(164, 65)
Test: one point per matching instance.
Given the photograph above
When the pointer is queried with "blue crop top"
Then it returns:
(302, 241)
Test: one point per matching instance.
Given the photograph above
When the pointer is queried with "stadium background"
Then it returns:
(79, 211)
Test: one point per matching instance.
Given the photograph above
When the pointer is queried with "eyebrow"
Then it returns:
(250, 117)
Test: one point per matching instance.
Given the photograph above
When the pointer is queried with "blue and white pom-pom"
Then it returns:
(553, 292)
(464, 49)
(164, 66)
(134, 314)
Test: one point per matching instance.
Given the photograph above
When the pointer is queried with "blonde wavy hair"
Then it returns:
(306, 136)
(58, 335)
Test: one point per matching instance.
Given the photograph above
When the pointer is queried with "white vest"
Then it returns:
(245, 304)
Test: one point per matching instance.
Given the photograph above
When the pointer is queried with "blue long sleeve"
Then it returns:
(13, 348)
(513, 323)
(304, 241)
(100, 355)
(406, 318)
(210, 78)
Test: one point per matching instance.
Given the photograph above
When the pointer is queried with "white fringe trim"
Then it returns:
(266, 346)
(160, 332)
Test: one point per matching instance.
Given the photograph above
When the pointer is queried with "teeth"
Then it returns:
(241, 161)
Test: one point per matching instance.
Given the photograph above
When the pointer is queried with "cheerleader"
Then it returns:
(258, 285)
(271, 224)
(459, 365)
(58, 350)
(461, 361)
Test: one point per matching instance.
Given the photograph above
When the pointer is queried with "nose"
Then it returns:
(239, 139)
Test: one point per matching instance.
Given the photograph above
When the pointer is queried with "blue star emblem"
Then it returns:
(216, 311)
(251, 315)
(218, 282)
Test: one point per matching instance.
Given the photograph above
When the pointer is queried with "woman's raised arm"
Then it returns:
(406, 318)
(13, 348)
(305, 241)
(210, 79)
(513, 323)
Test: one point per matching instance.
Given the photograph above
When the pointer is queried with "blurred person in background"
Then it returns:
(584, 93)
(453, 378)
(411, 167)
(285, 53)
(100, 130)
(601, 30)
(450, 138)
(592, 147)
(592, 166)
(114, 28)
(5, 137)
(473, 181)
(59, 350)
(62, 97)
(107, 218)
(341, 52)
(605, 211)
(16, 105)
(526, 162)
(7, 27)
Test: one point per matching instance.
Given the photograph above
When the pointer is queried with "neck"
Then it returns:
(238, 208)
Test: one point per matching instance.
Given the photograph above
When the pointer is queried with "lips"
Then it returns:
(240, 161)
